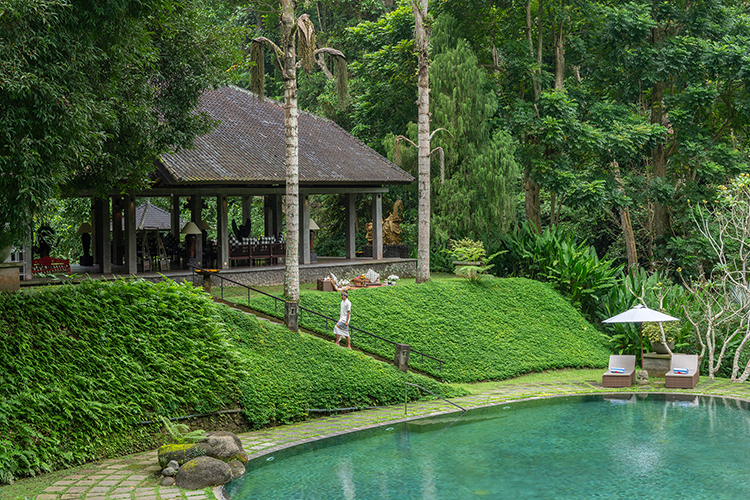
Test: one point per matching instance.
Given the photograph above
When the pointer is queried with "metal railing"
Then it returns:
(327, 319)
(406, 396)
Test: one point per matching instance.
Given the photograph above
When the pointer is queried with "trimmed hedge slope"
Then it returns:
(487, 330)
(81, 366)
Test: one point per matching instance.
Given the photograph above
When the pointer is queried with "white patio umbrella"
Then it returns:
(640, 314)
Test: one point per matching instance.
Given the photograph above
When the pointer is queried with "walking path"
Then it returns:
(135, 477)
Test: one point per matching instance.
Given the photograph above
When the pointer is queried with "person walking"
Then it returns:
(341, 329)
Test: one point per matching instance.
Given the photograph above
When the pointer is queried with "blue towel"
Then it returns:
(617, 370)
(681, 371)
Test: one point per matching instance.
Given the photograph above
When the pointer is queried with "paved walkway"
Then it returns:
(135, 477)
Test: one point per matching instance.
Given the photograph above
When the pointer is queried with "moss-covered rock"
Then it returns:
(182, 453)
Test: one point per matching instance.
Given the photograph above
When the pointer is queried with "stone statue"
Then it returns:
(641, 377)
(391, 226)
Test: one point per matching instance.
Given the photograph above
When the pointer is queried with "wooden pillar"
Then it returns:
(196, 210)
(268, 215)
(174, 213)
(117, 241)
(27, 253)
(304, 229)
(350, 202)
(103, 235)
(247, 210)
(131, 249)
(377, 226)
(97, 250)
(222, 230)
(278, 215)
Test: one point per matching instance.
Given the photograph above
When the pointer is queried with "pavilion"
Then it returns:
(243, 156)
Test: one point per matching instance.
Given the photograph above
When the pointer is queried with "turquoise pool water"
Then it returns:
(615, 447)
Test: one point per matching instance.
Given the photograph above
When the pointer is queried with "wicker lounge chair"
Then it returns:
(625, 379)
(688, 380)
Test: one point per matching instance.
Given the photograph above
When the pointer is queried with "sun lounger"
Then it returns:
(688, 363)
(621, 371)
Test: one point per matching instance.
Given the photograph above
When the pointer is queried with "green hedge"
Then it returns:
(292, 372)
(487, 330)
(81, 365)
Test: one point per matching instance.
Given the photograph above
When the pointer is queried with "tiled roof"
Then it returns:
(247, 146)
(150, 217)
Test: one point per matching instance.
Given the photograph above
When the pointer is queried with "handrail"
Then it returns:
(327, 318)
(427, 390)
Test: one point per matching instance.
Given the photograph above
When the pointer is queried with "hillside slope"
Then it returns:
(487, 330)
(81, 367)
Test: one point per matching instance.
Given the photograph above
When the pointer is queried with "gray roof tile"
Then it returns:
(247, 147)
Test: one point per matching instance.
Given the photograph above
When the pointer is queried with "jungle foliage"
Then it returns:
(83, 365)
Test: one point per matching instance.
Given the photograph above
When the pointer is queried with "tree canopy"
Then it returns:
(92, 92)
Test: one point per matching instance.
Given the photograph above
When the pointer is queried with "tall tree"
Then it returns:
(294, 32)
(475, 195)
(422, 30)
(91, 93)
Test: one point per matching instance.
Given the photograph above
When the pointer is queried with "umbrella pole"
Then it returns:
(640, 335)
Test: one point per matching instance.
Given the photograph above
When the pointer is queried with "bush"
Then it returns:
(487, 330)
(574, 269)
(81, 366)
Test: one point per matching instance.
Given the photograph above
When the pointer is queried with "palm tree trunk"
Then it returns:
(291, 262)
(423, 134)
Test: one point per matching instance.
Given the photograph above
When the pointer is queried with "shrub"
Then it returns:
(574, 269)
(484, 330)
(81, 367)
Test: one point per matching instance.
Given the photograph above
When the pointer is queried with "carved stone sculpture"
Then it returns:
(391, 226)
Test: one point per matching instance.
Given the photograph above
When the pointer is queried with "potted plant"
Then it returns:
(472, 261)
(653, 334)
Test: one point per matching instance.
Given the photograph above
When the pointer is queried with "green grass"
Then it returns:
(488, 330)
(81, 366)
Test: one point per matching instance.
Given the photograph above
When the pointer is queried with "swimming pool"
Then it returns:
(614, 446)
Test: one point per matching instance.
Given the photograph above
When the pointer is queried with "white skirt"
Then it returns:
(341, 329)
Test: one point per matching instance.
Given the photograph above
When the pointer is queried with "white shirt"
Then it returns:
(346, 307)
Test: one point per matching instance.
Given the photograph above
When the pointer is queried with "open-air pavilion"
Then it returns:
(244, 157)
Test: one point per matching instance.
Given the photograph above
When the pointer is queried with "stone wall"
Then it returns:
(270, 276)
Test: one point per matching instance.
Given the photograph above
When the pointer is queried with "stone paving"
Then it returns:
(135, 477)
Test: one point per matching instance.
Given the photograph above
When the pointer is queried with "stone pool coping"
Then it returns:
(133, 477)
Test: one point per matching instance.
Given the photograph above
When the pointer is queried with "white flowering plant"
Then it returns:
(392, 279)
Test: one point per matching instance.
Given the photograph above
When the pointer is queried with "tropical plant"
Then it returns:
(296, 34)
(652, 332)
(574, 269)
(472, 258)
(181, 433)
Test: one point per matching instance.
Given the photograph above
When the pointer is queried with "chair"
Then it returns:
(688, 380)
(626, 379)
(260, 254)
(239, 254)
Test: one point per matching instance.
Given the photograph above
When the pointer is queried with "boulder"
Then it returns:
(224, 446)
(182, 453)
(203, 472)
(238, 468)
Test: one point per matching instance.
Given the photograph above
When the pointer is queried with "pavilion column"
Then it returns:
(222, 230)
(97, 250)
(304, 229)
(117, 241)
(28, 255)
(278, 215)
(174, 213)
(247, 210)
(103, 235)
(350, 201)
(377, 226)
(131, 249)
(268, 215)
(196, 209)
